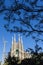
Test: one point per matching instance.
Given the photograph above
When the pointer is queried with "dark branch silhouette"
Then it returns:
(23, 13)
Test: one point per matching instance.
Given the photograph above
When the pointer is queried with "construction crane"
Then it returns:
(4, 52)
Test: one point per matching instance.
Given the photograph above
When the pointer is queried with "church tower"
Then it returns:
(13, 48)
(21, 50)
(17, 48)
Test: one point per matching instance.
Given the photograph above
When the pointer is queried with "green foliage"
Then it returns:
(34, 51)
(6, 63)
(36, 60)
(32, 62)
(11, 60)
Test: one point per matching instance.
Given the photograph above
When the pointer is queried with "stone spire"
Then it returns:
(19, 38)
(15, 44)
(19, 41)
(14, 38)
(22, 49)
(22, 43)
(14, 41)
(12, 44)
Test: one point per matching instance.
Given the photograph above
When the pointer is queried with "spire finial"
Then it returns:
(21, 40)
(14, 37)
(22, 43)
(19, 37)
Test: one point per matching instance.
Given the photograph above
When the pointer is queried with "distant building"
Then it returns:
(17, 49)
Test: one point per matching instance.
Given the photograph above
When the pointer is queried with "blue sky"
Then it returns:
(8, 37)
(27, 41)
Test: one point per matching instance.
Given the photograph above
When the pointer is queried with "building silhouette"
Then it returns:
(17, 49)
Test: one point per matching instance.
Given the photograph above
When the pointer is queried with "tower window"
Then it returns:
(17, 51)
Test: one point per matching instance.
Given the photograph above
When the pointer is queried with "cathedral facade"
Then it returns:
(17, 49)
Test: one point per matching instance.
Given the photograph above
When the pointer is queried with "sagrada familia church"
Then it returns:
(17, 49)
